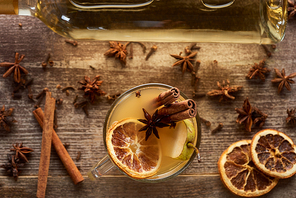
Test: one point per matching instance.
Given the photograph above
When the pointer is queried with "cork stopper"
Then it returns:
(8, 6)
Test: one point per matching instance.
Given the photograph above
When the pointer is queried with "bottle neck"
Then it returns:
(9, 7)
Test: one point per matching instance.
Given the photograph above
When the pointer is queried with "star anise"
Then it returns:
(291, 116)
(12, 166)
(91, 88)
(291, 8)
(118, 50)
(14, 67)
(245, 115)
(224, 91)
(250, 115)
(258, 70)
(20, 151)
(151, 123)
(283, 79)
(185, 61)
(5, 118)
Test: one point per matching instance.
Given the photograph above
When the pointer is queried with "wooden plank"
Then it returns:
(84, 134)
(120, 186)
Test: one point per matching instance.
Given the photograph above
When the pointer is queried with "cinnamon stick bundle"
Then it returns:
(61, 151)
(179, 111)
(46, 144)
(167, 97)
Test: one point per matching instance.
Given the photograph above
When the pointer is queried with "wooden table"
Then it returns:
(84, 134)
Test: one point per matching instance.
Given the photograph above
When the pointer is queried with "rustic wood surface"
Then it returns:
(84, 134)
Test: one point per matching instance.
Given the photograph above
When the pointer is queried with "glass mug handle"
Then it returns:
(101, 168)
(209, 7)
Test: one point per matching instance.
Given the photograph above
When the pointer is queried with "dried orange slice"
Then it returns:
(240, 175)
(274, 153)
(130, 151)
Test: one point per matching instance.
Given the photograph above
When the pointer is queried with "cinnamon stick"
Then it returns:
(46, 144)
(167, 97)
(61, 151)
(179, 111)
(177, 107)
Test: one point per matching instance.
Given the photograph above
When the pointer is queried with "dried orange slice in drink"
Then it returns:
(240, 175)
(130, 151)
(274, 153)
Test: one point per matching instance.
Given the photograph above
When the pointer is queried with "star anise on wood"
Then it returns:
(5, 118)
(250, 115)
(12, 166)
(118, 51)
(91, 88)
(185, 61)
(20, 151)
(291, 116)
(291, 8)
(258, 70)
(224, 91)
(151, 122)
(16, 67)
(283, 79)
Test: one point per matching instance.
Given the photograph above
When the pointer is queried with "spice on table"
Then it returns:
(291, 118)
(59, 101)
(20, 25)
(46, 144)
(75, 99)
(195, 77)
(283, 79)
(72, 42)
(250, 115)
(83, 105)
(12, 166)
(15, 67)
(40, 97)
(113, 96)
(198, 95)
(138, 94)
(66, 145)
(224, 91)
(20, 151)
(206, 122)
(258, 70)
(291, 8)
(185, 61)
(16, 96)
(51, 63)
(61, 150)
(91, 88)
(267, 51)
(245, 115)
(6, 118)
(142, 45)
(152, 50)
(192, 46)
(118, 51)
(44, 63)
(58, 86)
(131, 55)
(218, 128)
(78, 156)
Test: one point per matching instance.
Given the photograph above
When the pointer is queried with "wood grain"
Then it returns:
(84, 134)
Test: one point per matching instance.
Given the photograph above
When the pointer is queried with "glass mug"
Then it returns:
(228, 21)
(170, 168)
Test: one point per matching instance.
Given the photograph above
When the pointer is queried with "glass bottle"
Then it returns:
(229, 21)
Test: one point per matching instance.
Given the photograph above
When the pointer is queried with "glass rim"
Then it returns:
(113, 105)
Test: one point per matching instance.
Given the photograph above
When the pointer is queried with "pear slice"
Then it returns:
(178, 143)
